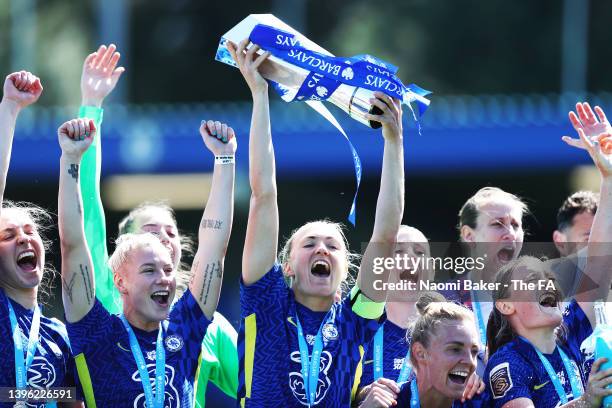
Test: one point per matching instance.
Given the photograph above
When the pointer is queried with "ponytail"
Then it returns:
(499, 331)
(434, 310)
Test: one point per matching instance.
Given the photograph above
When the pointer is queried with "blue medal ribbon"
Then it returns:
(156, 401)
(482, 326)
(311, 366)
(552, 374)
(378, 352)
(22, 366)
(415, 402)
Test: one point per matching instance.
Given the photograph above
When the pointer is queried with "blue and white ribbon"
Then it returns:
(361, 71)
(153, 400)
(327, 73)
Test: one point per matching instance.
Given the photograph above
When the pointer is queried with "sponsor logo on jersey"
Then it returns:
(540, 386)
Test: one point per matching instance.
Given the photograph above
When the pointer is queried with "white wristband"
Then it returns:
(225, 159)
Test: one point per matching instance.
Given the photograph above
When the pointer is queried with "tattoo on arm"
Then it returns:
(211, 224)
(74, 171)
(69, 286)
(210, 270)
(87, 283)
(194, 270)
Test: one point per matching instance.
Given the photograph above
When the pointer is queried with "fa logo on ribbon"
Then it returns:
(321, 91)
(347, 73)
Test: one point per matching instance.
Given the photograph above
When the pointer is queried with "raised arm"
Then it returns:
(100, 75)
(20, 90)
(216, 224)
(261, 241)
(78, 289)
(599, 261)
(98, 79)
(390, 204)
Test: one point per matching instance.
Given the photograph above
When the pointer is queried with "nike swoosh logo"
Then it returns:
(121, 347)
(368, 362)
(537, 387)
(290, 320)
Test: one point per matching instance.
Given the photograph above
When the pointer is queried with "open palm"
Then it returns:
(584, 119)
(100, 74)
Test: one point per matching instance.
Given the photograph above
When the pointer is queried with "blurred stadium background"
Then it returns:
(504, 75)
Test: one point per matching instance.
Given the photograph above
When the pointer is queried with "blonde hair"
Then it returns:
(183, 271)
(432, 316)
(126, 244)
(408, 229)
(351, 258)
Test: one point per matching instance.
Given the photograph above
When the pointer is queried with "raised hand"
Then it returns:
(100, 75)
(585, 119)
(75, 136)
(22, 88)
(382, 393)
(600, 150)
(391, 118)
(596, 387)
(248, 63)
(219, 138)
(474, 386)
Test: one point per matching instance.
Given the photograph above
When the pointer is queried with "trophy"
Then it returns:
(299, 69)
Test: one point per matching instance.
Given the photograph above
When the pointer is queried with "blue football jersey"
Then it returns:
(405, 395)
(52, 366)
(270, 365)
(101, 344)
(515, 370)
(395, 350)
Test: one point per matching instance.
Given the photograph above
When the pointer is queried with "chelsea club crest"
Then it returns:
(330, 332)
(174, 343)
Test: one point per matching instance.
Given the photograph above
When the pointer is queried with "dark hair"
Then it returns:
(471, 208)
(577, 203)
(499, 330)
